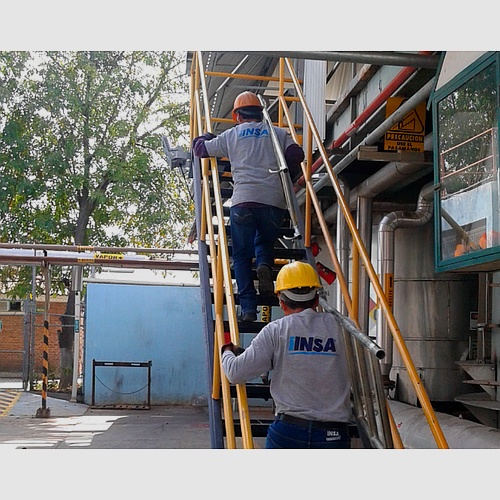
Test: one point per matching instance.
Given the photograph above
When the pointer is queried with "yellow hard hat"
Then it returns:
(245, 99)
(297, 275)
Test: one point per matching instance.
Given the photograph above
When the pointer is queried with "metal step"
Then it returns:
(285, 232)
(477, 370)
(254, 391)
(281, 253)
(271, 301)
(482, 374)
(247, 326)
(482, 382)
(259, 427)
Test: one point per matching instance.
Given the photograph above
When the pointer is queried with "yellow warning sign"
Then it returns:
(109, 256)
(408, 134)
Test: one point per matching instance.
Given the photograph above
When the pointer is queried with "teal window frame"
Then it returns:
(479, 260)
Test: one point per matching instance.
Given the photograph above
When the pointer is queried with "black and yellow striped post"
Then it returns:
(43, 411)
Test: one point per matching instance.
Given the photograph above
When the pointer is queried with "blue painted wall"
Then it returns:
(141, 323)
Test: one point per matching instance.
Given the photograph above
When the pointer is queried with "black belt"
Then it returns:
(313, 424)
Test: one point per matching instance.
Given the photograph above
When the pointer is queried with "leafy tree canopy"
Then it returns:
(81, 158)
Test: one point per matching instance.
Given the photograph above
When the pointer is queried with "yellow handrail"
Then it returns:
(222, 282)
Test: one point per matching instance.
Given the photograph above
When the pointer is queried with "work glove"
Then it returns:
(206, 137)
(236, 349)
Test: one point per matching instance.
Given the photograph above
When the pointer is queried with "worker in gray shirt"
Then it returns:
(258, 206)
(305, 350)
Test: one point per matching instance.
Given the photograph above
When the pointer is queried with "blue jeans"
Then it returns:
(253, 233)
(286, 435)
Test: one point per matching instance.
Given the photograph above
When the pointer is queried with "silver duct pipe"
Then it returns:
(459, 433)
(387, 226)
(377, 58)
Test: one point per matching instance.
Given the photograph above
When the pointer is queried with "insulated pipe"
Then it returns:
(370, 139)
(387, 226)
(460, 433)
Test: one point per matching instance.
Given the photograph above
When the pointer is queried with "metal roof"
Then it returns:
(222, 90)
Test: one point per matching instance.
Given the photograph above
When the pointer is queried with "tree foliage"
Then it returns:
(466, 125)
(81, 159)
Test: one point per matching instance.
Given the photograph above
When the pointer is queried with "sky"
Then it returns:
(149, 25)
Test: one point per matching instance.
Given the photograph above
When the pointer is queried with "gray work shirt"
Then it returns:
(249, 148)
(306, 353)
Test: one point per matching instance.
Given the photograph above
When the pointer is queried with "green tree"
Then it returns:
(81, 158)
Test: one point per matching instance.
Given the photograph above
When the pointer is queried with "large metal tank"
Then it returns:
(433, 313)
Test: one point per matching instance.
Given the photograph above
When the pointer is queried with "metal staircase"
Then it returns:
(212, 188)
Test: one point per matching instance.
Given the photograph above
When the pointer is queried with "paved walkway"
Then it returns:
(61, 424)
(74, 425)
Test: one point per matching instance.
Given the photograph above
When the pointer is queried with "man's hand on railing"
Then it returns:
(199, 146)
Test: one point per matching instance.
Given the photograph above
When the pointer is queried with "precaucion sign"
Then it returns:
(408, 134)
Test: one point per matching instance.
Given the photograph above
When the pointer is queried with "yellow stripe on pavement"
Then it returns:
(8, 398)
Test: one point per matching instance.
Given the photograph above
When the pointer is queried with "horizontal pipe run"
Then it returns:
(85, 248)
(372, 57)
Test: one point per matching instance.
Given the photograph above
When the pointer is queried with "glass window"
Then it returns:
(468, 175)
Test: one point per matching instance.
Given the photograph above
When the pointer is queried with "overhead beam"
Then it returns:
(379, 58)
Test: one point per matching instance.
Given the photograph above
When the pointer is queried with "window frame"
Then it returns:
(486, 259)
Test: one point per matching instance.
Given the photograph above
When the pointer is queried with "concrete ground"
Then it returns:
(27, 422)
(136, 452)
(67, 425)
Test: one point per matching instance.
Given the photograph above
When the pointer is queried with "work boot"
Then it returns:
(266, 285)
(248, 316)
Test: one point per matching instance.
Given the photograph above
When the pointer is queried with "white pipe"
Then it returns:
(459, 433)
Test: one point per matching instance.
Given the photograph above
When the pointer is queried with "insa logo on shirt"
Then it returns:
(311, 345)
(253, 132)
